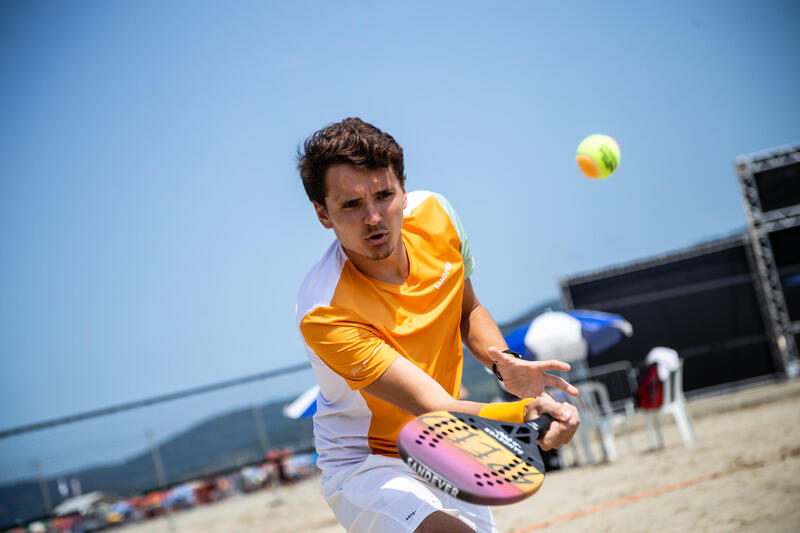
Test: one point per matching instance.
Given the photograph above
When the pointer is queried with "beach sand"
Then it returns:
(743, 474)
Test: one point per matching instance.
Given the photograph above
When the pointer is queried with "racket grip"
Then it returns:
(540, 424)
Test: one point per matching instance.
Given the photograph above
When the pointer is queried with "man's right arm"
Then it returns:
(410, 388)
(358, 354)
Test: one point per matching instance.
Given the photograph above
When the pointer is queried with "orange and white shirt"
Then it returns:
(355, 326)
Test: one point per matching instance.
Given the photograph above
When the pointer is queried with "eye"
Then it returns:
(383, 195)
(349, 205)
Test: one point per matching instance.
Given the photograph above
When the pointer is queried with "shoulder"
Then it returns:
(319, 284)
(426, 205)
(426, 210)
(417, 200)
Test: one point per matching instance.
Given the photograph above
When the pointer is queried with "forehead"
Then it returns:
(344, 180)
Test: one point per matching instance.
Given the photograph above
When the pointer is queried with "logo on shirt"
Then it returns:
(366, 361)
(443, 277)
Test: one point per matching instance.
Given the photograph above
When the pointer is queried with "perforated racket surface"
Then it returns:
(475, 459)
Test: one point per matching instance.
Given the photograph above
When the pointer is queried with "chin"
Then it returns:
(380, 255)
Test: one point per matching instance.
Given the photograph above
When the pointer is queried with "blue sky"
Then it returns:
(154, 231)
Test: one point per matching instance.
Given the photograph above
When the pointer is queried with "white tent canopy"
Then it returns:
(84, 503)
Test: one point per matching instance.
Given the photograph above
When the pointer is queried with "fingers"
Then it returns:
(553, 364)
(568, 413)
(562, 412)
(560, 383)
(566, 420)
(528, 378)
(561, 431)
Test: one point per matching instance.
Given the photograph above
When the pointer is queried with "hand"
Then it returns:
(564, 426)
(527, 379)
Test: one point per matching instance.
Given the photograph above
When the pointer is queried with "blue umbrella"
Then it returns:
(568, 335)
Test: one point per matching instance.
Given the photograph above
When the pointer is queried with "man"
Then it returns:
(383, 316)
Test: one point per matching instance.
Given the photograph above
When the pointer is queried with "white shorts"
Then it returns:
(383, 495)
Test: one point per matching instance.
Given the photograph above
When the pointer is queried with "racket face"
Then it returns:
(455, 453)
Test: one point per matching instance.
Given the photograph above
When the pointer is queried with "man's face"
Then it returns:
(365, 209)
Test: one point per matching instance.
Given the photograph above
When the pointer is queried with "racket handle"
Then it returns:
(540, 424)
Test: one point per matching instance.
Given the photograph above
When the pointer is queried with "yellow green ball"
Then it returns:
(598, 156)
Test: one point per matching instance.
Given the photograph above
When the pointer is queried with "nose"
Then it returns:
(371, 214)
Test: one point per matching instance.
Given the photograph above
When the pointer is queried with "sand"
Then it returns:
(743, 474)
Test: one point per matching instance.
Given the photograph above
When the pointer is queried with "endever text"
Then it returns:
(431, 478)
(447, 267)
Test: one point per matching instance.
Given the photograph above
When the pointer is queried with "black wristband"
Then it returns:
(494, 363)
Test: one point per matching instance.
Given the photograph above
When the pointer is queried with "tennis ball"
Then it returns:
(598, 156)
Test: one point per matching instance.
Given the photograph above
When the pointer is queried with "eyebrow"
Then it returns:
(342, 203)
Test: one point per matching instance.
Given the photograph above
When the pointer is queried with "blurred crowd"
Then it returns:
(101, 510)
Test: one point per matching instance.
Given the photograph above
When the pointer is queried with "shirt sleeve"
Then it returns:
(466, 252)
(354, 351)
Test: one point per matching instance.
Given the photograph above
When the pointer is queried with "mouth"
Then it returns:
(378, 237)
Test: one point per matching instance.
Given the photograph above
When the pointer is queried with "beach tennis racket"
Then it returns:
(475, 459)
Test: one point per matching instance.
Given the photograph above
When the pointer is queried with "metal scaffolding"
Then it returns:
(761, 224)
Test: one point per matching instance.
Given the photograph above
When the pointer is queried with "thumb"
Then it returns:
(559, 411)
(498, 355)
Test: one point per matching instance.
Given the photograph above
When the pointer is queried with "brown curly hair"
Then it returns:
(350, 141)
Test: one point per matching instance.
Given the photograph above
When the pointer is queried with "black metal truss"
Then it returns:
(761, 224)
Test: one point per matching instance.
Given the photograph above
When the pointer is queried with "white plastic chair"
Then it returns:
(596, 415)
(620, 380)
(674, 403)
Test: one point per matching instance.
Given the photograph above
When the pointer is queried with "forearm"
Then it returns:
(410, 388)
(479, 331)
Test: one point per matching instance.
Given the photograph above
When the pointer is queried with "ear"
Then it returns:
(322, 215)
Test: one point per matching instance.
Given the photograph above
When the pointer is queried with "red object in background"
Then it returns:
(205, 492)
(651, 392)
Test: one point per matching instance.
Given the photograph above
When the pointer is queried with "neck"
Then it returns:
(393, 269)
